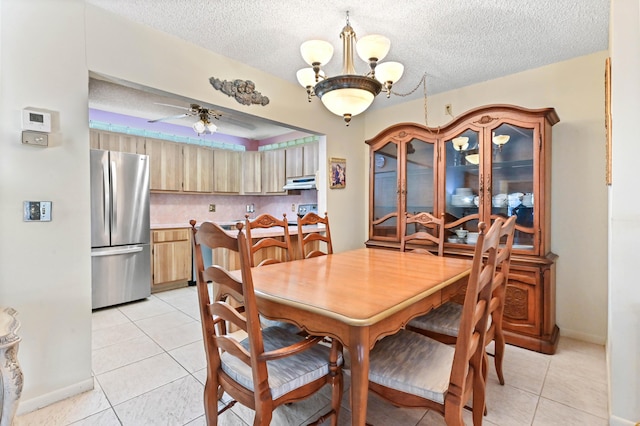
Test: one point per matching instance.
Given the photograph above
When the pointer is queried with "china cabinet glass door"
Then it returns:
(385, 191)
(512, 187)
(419, 186)
(462, 185)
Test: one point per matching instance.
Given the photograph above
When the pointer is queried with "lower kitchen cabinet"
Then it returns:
(172, 264)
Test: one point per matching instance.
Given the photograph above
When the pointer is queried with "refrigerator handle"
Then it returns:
(114, 190)
(112, 252)
(106, 196)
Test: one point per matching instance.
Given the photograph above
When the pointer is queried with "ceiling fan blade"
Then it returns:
(173, 106)
(169, 118)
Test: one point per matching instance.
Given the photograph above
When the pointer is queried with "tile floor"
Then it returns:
(149, 368)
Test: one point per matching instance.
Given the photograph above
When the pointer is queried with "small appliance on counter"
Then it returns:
(120, 228)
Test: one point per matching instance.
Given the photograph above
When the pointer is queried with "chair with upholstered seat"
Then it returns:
(306, 242)
(268, 248)
(442, 323)
(271, 366)
(427, 229)
(412, 370)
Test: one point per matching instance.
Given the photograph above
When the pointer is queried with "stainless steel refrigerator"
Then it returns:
(120, 230)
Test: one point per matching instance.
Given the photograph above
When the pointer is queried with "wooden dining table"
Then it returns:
(357, 297)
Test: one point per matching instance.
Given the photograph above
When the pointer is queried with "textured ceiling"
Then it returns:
(455, 42)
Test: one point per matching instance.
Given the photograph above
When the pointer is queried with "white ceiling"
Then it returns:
(455, 42)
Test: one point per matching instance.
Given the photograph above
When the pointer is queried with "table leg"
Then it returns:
(359, 350)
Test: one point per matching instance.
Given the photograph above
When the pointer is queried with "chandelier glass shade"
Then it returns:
(349, 94)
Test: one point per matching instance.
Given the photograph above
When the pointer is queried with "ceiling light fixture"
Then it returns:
(349, 94)
(204, 125)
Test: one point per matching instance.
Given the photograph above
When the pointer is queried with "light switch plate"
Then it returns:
(37, 211)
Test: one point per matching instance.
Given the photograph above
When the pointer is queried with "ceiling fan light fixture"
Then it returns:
(199, 126)
(349, 94)
(211, 128)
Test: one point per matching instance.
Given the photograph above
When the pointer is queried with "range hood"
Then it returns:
(305, 182)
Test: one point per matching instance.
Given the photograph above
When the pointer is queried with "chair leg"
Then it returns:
(499, 355)
(211, 402)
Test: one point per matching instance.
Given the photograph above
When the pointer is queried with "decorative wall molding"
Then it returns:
(242, 90)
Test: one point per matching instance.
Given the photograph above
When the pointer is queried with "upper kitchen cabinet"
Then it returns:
(226, 171)
(252, 172)
(301, 160)
(120, 142)
(273, 174)
(198, 168)
(493, 161)
(166, 165)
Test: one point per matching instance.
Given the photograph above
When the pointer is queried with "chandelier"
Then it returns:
(349, 94)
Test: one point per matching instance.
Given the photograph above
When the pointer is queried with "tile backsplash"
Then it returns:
(180, 208)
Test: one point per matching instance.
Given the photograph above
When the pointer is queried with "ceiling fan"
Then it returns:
(205, 115)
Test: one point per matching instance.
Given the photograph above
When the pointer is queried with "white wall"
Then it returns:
(623, 346)
(45, 267)
(579, 196)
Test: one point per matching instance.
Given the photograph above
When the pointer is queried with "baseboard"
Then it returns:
(29, 405)
(617, 421)
(585, 337)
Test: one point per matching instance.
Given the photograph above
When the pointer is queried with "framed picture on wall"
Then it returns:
(607, 115)
(337, 173)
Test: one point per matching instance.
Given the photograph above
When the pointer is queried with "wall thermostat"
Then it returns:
(38, 121)
(37, 211)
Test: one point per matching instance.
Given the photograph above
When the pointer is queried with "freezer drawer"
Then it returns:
(120, 274)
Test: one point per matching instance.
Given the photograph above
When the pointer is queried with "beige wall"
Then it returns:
(45, 269)
(579, 198)
(623, 345)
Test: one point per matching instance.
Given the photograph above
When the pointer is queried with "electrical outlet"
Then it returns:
(448, 110)
(293, 207)
(212, 207)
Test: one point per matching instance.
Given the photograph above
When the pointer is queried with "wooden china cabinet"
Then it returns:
(491, 161)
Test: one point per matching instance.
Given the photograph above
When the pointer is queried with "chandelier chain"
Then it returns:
(423, 82)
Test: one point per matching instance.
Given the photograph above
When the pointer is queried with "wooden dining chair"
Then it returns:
(306, 242)
(269, 247)
(271, 366)
(412, 370)
(443, 322)
(269, 250)
(428, 228)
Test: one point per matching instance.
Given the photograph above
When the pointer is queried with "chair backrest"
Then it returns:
(304, 241)
(467, 372)
(499, 287)
(427, 228)
(265, 221)
(217, 310)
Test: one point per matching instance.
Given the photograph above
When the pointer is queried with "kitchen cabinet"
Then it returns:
(301, 160)
(198, 168)
(273, 172)
(252, 172)
(120, 142)
(294, 161)
(226, 171)
(172, 262)
(489, 162)
(309, 159)
(166, 165)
